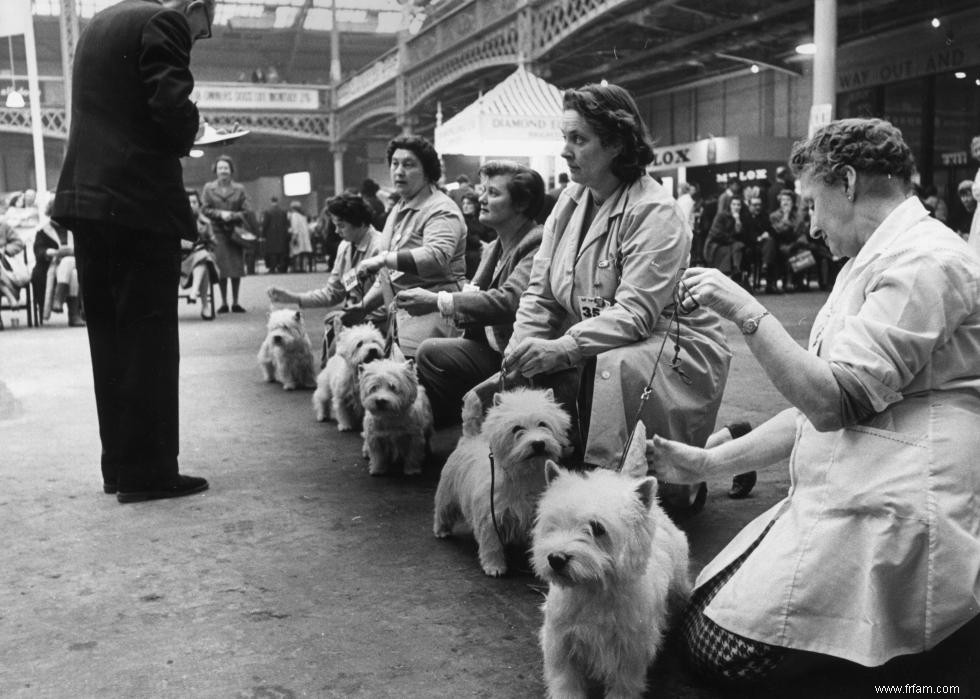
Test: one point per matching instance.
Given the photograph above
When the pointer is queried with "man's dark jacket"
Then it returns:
(132, 120)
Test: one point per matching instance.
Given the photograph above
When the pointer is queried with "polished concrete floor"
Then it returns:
(296, 574)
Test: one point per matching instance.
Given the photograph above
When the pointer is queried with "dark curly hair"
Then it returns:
(351, 208)
(870, 146)
(424, 151)
(612, 113)
(526, 188)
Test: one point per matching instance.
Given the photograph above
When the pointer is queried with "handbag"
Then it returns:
(802, 261)
(14, 270)
(242, 237)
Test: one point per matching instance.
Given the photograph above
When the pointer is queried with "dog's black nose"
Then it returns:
(538, 446)
(557, 561)
(277, 340)
(381, 403)
(372, 355)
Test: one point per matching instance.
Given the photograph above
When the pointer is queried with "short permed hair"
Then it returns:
(870, 146)
(424, 151)
(612, 113)
(526, 188)
(350, 208)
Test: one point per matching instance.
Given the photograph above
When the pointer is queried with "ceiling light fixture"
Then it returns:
(935, 23)
(807, 49)
(754, 68)
(959, 75)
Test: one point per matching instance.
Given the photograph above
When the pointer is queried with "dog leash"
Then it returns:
(681, 296)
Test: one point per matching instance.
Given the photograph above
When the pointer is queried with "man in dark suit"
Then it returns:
(121, 192)
(275, 232)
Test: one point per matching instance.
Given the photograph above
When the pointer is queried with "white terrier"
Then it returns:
(397, 419)
(521, 432)
(286, 354)
(337, 394)
(616, 566)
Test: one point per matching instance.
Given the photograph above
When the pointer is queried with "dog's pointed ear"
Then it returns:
(635, 463)
(410, 365)
(297, 316)
(497, 397)
(646, 490)
(549, 394)
(552, 471)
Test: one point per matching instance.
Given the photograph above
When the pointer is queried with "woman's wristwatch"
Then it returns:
(751, 324)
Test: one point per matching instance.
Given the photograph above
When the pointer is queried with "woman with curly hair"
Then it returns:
(423, 244)
(875, 552)
(593, 319)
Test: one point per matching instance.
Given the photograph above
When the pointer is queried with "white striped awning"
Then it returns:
(520, 116)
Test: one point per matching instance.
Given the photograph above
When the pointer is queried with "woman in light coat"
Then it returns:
(875, 551)
(593, 320)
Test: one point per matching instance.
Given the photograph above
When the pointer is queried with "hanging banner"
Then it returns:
(14, 17)
(266, 97)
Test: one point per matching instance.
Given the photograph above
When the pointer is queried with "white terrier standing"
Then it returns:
(616, 566)
(398, 417)
(521, 432)
(337, 393)
(286, 354)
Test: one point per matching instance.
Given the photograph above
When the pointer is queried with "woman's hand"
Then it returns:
(713, 289)
(225, 215)
(417, 301)
(533, 356)
(277, 295)
(370, 266)
(676, 462)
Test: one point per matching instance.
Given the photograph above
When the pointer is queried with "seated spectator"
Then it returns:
(725, 243)
(13, 271)
(934, 204)
(448, 367)
(775, 254)
(476, 232)
(198, 267)
(54, 278)
(758, 229)
(351, 218)
(962, 215)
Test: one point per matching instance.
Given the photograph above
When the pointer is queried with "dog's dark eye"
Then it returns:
(517, 429)
(361, 343)
(542, 425)
(597, 529)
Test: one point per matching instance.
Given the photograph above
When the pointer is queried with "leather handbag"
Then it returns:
(242, 237)
(802, 261)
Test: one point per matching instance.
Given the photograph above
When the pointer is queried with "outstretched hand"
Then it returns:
(676, 462)
(713, 289)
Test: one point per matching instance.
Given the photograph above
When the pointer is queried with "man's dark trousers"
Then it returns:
(128, 280)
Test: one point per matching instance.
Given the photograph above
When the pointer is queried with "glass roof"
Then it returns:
(382, 16)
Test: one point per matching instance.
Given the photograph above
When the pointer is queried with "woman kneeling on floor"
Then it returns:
(875, 553)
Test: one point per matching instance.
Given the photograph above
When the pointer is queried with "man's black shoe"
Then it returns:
(742, 485)
(185, 485)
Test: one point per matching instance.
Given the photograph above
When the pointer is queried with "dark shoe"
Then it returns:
(237, 309)
(185, 485)
(74, 313)
(222, 308)
(680, 512)
(742, 485)
(207, 316)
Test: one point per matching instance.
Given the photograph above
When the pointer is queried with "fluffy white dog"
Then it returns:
(616, 566)
(286, 354)
(397, 419)
(520, 433)
(337, 392)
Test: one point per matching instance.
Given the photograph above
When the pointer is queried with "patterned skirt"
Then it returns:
(718, 653)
